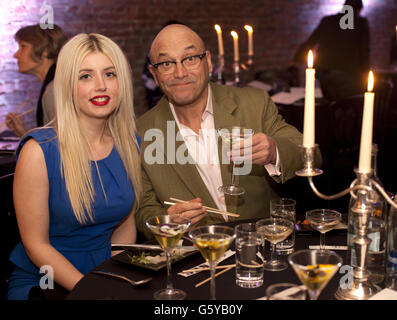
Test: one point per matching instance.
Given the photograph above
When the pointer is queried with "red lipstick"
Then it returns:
(100, 100)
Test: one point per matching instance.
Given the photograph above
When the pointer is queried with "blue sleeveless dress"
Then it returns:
(85, 246)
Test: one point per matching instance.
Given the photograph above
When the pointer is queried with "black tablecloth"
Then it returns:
(93, 286)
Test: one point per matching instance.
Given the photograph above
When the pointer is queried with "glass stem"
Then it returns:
(233, 177)
(313, 294)
(322, 241)
(212, 284)
(273, 253)
(168, 253)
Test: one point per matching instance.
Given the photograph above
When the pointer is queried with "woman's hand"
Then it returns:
(15, 124)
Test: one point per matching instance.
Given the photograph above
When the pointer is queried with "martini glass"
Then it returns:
(274, 230)
(315, 268)
(212, 241)
(323, 220)
(168, 229)
(231, 136)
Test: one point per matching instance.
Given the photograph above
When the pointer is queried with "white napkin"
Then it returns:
(283, 295)
(226, 255)
(385, 294)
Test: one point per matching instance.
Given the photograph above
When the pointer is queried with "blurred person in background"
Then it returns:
(37, 54)
(342, 55)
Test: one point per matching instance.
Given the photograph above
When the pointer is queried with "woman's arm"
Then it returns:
(125, 232)
(31, 191)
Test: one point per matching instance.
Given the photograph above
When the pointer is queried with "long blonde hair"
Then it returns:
(75, 162)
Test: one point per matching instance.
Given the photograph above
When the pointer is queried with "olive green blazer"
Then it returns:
(232, 106)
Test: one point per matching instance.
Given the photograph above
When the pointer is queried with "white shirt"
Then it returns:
(203, 148)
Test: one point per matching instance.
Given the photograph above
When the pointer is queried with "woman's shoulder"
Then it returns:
(45, 137)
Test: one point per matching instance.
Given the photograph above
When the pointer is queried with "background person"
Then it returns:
(37, 54)
(342, 55)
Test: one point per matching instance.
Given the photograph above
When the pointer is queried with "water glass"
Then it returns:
(249, 259)
(284, 208)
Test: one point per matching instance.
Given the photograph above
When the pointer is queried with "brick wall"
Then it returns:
(279, 27)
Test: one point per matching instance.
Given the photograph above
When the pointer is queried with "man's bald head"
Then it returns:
(175, 34)
(184, 85)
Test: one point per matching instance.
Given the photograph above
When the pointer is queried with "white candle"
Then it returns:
(220, 40)
(250, 31)
(308, 121)
(364, 165)
(235, 46)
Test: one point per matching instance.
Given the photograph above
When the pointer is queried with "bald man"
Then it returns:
(182, 156)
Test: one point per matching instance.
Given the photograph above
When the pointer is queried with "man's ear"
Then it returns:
(153, 72)
(208, 57)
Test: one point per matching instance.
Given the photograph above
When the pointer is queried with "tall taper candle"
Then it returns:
(250, 31)
(220, 40)
(309, 117)
(364, 165)
(235, 46)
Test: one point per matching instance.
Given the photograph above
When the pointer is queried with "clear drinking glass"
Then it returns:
(212, 241)
(168, 229)
(231, 136)
(315, 268)
(284, 208)
(323, 220)
(274, 230)
(249, 257)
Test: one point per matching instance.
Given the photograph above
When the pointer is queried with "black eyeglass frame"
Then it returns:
(201, 56)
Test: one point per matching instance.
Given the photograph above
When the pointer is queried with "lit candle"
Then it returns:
(250, 40)
(235, 42)
(364, 165)
(308, 124)
(220, 40)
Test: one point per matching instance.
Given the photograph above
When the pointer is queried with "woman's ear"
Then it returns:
(44, 54)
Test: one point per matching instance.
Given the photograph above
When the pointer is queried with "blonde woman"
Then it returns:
(77, 184)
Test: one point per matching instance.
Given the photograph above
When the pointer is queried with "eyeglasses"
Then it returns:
(190, 63)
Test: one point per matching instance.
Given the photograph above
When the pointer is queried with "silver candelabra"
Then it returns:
(360, 189)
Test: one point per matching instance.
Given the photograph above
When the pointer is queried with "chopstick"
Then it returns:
(21, 106)
(216, 274)
(209, 209)
(207, 268)
(18, 116)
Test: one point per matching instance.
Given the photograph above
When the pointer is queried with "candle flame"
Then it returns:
(248, 28)
(310, 59)
(234, 34)
(370, 81)
(218, 28)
